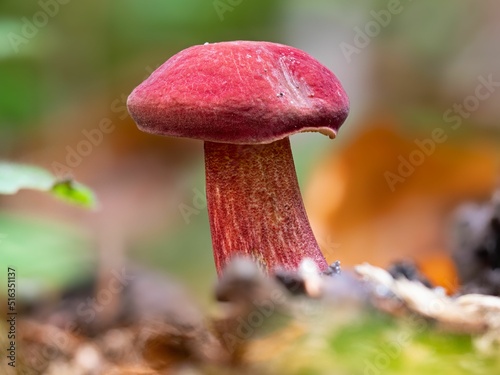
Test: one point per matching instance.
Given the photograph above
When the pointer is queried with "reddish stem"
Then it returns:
(255, 207)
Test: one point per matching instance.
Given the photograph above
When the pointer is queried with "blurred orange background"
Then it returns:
(417, 73)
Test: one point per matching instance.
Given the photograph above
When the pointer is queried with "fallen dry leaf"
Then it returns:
(472, 314)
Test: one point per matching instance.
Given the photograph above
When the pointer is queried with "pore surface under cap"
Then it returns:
(239, 92)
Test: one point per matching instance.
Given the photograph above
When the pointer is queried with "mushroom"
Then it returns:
(244, 99)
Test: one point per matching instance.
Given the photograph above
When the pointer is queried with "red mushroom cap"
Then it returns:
(239, 92)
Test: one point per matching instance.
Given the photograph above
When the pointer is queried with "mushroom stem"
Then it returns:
(255, 207)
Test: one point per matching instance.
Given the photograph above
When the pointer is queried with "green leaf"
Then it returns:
(14, 177)
(47, 255)
(74, 193)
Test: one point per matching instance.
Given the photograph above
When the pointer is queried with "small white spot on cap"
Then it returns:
(206, 43)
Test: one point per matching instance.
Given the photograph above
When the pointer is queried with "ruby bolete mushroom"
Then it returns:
(244, 99)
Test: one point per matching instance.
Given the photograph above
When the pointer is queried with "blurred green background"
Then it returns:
(68, 66)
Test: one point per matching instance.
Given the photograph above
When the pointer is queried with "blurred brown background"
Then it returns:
(417, 72)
